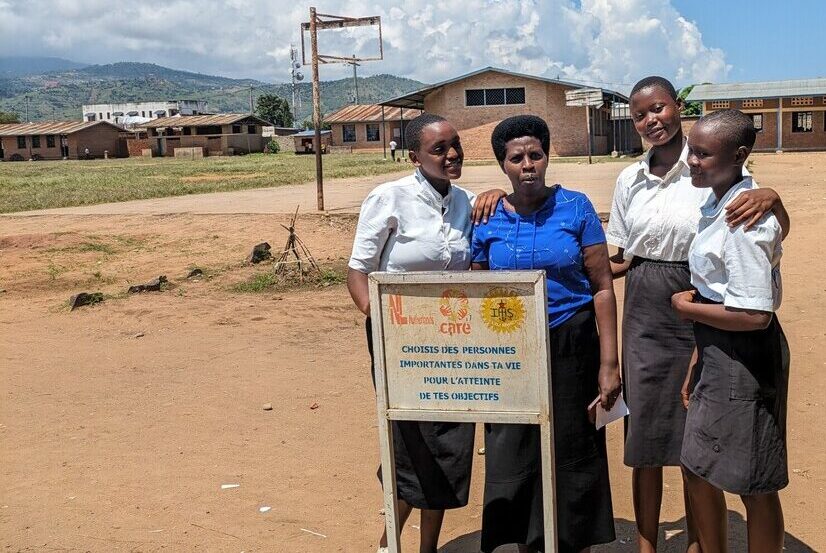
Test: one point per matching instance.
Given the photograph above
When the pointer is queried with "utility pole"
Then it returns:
(251, 110)
(355, 80)
(319, 173)
(27, 109)
(330, 22)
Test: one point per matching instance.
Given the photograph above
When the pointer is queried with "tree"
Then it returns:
(690, 108)
(6, 117)
(274, 109)
(308, 124)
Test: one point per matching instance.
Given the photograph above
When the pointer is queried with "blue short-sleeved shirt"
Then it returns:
(551, 239)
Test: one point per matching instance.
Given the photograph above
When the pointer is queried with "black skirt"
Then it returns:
(735, 432)
(513, 511)
(656, 350)
(433, 459)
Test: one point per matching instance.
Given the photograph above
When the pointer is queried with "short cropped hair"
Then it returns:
(413, 130)
(517, 127)
(733, 126)
(655, 82)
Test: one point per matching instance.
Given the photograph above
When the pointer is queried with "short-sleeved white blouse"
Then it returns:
(406, 225)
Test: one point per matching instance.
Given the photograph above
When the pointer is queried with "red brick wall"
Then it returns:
(135, 145)
(10, 148)
(98, 139)
(361, 142)
(545, 100)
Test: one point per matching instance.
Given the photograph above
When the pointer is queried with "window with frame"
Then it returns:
(108, 115)
(251, 129)
(348, 133)
(802, 101)
(753, 103)
(494, 96)
(720, 104)
(50, 141)
(21, 142)
(801, 121)
(757, 120)
(100, 116)
(187, 131)
(373, 134)
(236, 129)
(36, 141)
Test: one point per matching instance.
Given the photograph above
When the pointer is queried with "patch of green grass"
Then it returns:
(330, 277)
(95, 247)
(49, 184)
(289, 279)
(54, 270)
(261, 282)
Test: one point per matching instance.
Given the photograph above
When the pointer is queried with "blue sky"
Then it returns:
(611, 43)
(763, 40)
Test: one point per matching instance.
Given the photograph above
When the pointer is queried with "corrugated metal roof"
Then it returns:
(309, 132)
(767, 89)
(202, 120)
(415, 99)
(369, 113)
(49, 127)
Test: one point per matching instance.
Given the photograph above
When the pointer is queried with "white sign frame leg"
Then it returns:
(543, 416)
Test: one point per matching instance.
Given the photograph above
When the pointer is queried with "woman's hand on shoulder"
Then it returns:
(749, 206)
(485, 205)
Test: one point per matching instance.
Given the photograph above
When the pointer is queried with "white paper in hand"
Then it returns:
(618, 411)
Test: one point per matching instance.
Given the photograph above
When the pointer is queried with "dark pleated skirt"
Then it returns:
(433, 459)
(735, 432)
(513, 480)
(656, 350)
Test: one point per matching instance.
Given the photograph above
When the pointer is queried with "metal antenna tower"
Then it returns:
(296, 76)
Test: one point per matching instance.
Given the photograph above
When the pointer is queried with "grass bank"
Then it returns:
(34, 185)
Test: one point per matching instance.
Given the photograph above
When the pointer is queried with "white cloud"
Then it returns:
(609, 41)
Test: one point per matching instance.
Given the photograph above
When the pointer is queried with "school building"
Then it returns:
(476, 102)
(222, 134)
(788, 115)
(59, 140)
(368, 127)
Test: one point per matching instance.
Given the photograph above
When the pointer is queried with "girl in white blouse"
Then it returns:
(422, 222)
(654, 218)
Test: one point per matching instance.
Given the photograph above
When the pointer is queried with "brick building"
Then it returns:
(59, 140)
(368, 127)
(477, 101)
(788, 115)
(221, 134)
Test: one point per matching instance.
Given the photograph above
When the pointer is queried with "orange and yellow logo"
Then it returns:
(453, 305)
(503, 310)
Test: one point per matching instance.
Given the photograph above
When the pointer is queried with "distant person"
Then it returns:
(735, 431)
(393, 146)
(86, 154)
(422, 222)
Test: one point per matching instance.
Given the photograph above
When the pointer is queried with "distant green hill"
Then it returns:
(18, 66)
(59, 94)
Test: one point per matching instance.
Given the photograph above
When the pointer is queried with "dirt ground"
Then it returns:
(120, 422)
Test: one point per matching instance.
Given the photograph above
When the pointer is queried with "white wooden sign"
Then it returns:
(583, 97)
(267, 131)
(469, 346)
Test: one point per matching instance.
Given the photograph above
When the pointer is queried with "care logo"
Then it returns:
(503, 310)
(453, 305)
